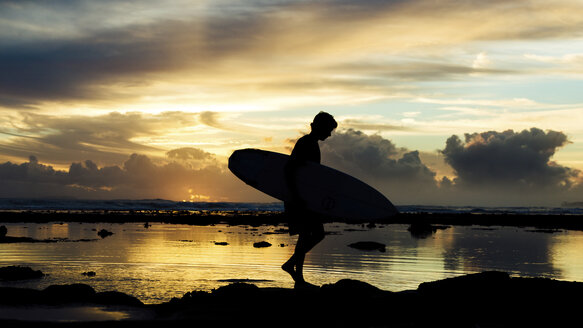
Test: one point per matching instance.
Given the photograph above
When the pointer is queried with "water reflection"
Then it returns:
(166, 260)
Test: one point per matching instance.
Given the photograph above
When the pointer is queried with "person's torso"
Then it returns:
(306, 149)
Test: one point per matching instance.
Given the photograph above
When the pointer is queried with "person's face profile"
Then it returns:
(324, 133)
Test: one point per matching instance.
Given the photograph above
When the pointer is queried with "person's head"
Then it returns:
(323, 125)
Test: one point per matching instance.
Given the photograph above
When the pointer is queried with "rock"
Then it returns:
(104, 233)
(423, 230)
(19, 273)
(116, 298)
(351, 286)
(489, 284)
(261, 244)
(19, 296)
(221, 243)
(57, 294)
(89, 274)
(237, 290)
(368, 246)
(3, 231)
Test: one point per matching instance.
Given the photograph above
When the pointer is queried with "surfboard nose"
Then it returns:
(233, 159)
(243, 161)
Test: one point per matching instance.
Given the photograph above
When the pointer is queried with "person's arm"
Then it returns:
(296, 159)
(290, 171)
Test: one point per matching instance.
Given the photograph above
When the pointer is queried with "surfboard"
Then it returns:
(324, 190)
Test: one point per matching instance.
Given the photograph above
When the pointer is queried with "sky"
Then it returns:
(438, 102)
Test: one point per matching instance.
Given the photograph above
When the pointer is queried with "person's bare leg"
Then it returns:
(289, 266)
(306, 242)
(294, 266)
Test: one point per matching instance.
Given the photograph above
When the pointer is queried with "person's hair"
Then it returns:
(324, 120)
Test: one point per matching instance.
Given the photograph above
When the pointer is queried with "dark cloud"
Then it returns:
(511, 159)
(91, 51)
(493, 168)
(396, 172)
(137, 178)
(105, 138)
(76, 69)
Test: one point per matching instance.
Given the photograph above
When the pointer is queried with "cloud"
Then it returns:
(94, 51)
(510, 161)
(137, 178)
(396, 172)
(192, 157)
(104, 138)
(491, 168)
(359, 125)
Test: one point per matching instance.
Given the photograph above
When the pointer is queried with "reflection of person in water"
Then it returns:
(303, 222)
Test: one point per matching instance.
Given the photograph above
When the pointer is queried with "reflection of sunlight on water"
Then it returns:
(567, 250)
(167, 260)
(62, 314)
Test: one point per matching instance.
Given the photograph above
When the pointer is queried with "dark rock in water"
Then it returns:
(104, 233)
(64, 294)
(3, 231)
(221, 243)
(116, 298)
(368, 246)
(19, 273)
(423, 230)
(59, 294)
(261, 244)
(89, 274)
(19, 296)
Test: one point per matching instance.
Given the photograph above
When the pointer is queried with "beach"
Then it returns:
(485, 299)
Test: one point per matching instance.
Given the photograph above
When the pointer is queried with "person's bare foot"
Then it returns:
(289, 268)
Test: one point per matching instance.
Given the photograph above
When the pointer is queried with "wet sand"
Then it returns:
(489, 299)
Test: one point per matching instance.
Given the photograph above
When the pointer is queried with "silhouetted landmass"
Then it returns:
(14, 272)
(489, 299)
(64, 295)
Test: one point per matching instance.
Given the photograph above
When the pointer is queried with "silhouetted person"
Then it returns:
(303, 222)
(3, 232)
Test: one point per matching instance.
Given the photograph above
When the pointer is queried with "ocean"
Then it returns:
(169, 205)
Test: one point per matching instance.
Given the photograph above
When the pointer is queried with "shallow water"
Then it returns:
(168, 260)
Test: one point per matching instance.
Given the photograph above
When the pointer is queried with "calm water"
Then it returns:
(168, 260)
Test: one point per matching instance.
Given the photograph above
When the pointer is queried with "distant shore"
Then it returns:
(538, 221)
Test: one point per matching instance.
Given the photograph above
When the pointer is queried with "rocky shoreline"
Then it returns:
(420, 220)
(488, 299)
